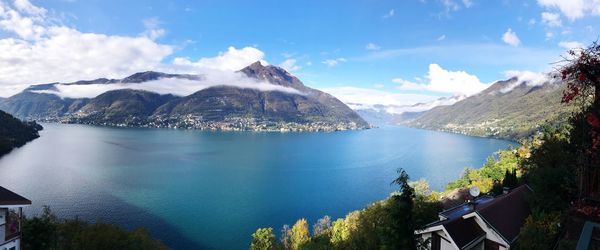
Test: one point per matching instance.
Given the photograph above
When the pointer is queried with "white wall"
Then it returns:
(14, 243)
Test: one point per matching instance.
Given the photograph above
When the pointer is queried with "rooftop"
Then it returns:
(10, 198)
(513, 205)
(505, 213)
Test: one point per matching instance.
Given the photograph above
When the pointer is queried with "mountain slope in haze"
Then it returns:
(510, 109)
(379, 114)
(15, 133)
(219, 107)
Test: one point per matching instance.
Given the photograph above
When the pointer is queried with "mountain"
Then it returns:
(395, 114)
(40, 106)
(15, 133)
(218, 107)
(509, 109)
(123, 106)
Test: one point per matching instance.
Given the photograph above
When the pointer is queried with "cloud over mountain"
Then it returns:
(40, 49)
(174, 86)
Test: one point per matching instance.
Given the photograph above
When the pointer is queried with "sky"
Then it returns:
(371, 51)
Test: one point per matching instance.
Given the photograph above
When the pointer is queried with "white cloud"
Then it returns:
(511, 38)
(368, 96)
(531, 21)
(372, 46)
(153, 30)
(528, 77)
(450, 5)
(37, 50)
(573, 9)
(231, 60)
(444, 81)
(333, 62)
(441, 38)
(468, 3)
(569, 45)
(549, 35)
(180, 87)
(27, 7)
(389, 14)
(551, 19)
(41, 51)
(290, 65)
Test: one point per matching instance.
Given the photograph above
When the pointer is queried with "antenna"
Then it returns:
(474, 191)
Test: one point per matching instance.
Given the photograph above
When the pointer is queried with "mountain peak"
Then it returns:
(256, 65)
(143, 77)
(273, 74)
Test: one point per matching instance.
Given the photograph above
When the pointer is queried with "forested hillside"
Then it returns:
(15, 133)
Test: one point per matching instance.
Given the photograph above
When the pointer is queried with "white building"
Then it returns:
(11, 212)
(485, 223)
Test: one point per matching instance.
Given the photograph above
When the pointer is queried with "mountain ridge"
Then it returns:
(510, 109)
(221, 107)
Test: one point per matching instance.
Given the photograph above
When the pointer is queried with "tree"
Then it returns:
(40, 232)
(400, 209)
(323, 226)
(263, 239)
(510, 179)
(539, 232)
(49, 232)
(339, 233)
(300, 234)
(286, 237)
(582, 76)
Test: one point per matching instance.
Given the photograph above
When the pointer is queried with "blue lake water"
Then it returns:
(211, 190)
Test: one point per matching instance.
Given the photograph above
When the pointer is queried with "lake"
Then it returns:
(211, 190)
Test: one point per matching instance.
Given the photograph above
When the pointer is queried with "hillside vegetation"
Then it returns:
(498, 112)
(49, 232)
(15, 133)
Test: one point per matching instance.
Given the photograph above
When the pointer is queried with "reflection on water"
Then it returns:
(211, 190)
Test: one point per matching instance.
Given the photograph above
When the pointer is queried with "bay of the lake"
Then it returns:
(211, 190)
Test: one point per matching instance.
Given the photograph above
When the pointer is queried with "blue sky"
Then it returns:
(392, 48)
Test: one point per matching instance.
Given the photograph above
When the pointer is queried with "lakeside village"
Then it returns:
(226, 124)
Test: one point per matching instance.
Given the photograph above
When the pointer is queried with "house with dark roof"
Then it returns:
(11, 212)
(484, 223)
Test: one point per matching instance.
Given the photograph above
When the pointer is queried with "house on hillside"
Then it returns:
(485, 223)
(11, 212)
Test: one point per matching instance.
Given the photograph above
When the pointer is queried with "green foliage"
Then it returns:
(539, 232)
(300, 234)
(40, 232)
(549, 171)
(491, 173)
(387, 224)
(421, 187)
(263, 239)
(512, 115)
(339, 233)
(15, 133)
(510, 179)
(48, 232)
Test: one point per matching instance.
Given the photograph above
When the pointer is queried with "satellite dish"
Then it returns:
(474, 191)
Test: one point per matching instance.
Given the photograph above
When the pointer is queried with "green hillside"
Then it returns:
(500, 111)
